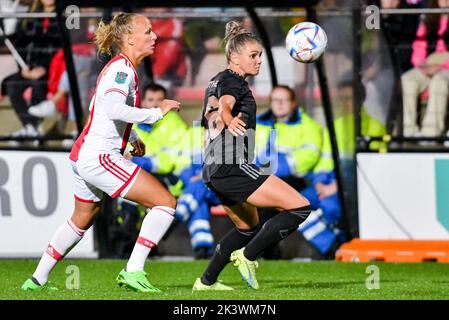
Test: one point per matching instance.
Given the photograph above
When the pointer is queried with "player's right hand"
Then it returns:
(237, 126)
(166, 105)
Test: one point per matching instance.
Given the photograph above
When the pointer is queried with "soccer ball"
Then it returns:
(306, 42)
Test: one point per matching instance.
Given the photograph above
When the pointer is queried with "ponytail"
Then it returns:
(236, 37)
(108, 37)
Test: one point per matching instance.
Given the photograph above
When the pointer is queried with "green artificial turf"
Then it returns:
(278, 280)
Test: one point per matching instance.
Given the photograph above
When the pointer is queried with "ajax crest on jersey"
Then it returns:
(306, 42)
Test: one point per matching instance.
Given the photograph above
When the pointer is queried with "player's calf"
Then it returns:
(276, 229)
(154, 225)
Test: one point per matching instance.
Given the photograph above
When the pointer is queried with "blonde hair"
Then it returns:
(108, 37)
(236, 37)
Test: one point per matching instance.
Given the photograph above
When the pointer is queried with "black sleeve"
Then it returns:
(229, 86)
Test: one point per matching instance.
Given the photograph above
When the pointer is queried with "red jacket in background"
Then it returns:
(169, 58)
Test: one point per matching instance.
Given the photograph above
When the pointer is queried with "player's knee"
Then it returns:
(286, 221)
(301, 213)
(298, 203)
(168, 201)
(164, 200)
(305, 202)
(247, 225)
(84, 220)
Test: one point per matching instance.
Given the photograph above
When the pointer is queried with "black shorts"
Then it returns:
(233, 184)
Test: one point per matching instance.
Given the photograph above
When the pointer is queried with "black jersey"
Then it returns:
(225, 148)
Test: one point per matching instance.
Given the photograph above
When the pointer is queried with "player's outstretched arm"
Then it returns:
(117, 109)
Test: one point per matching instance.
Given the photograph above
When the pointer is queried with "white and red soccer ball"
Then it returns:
(306, 42)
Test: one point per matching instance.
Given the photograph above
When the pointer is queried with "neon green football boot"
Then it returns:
(217, 286)
(30, 285)
(246, 267)
(136, 281)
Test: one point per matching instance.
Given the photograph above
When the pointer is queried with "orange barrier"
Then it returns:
(358, 250)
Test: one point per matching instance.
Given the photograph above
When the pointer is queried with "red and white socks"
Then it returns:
(154, 225)
(64, 239)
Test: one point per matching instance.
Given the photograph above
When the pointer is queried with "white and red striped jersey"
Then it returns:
(113, 110)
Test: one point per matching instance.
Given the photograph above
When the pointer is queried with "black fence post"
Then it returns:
(70, 65)
(357, 100)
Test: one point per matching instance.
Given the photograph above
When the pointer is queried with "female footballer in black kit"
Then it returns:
(229, 116)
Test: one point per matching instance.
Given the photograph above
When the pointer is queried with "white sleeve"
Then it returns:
(133, 136)
(117, 109)
(117, 78)
(114, 90)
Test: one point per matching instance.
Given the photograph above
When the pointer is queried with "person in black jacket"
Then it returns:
(36, 41)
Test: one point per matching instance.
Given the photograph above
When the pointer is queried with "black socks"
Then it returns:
(233, 240)
(255, 240)
(276, 229)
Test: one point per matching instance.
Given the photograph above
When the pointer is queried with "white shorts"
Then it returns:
(108, 173)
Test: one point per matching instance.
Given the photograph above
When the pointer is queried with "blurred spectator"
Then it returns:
(37, 40)
(84, 55)
(344, 124)
(213, 61)
(202, 37)
(431, 71)
(400, 28)
(286, 134)
(168, 60)
(344, 120)
(378, 79)
(8, 6)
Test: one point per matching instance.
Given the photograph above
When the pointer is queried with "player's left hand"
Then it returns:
(138, 148)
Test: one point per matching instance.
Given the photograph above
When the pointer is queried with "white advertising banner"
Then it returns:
(403, 196)
(36, 197)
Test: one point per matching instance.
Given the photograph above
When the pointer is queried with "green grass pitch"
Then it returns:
(278, 280)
